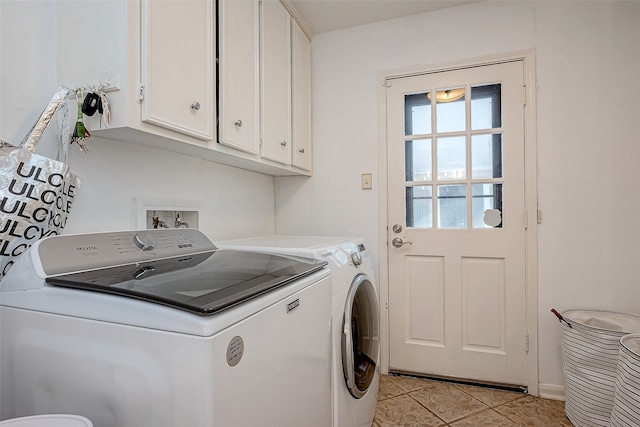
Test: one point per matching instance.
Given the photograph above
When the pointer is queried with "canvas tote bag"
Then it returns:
(36, 192)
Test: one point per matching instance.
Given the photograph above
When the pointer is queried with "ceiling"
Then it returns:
(321, 16)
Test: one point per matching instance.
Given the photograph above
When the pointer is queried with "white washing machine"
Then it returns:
(160, 328)
(355, 317)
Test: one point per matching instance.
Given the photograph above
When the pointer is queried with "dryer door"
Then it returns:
(360, 337)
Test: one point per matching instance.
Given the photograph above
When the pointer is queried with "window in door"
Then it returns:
(453, 158)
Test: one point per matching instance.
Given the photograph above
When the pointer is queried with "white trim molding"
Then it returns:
(550, 391)
(298, 18)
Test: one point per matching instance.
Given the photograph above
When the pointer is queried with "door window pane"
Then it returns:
(450, 110)
(452, 158)
(452, 206)
(418, 160)
(432, 155)
(486, 156)
(486, 202)
(419, 206)
(486, 107)
(417, 117)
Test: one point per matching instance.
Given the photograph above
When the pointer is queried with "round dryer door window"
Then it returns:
(360, 336)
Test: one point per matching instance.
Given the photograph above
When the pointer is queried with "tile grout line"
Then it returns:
(447, 424)
(513, 403)
(457, 419)
(406, 393)
(493, 407)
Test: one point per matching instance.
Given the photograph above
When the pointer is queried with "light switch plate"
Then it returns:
(367, 181)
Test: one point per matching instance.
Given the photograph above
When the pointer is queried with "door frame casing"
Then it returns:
(531, 200)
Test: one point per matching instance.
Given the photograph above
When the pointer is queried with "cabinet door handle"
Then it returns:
(283, 143)
(301, 151)
(195, 106)
(238, 123)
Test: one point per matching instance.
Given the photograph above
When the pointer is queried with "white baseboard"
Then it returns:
(550, 391)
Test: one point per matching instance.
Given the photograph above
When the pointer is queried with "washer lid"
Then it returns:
(203, 283)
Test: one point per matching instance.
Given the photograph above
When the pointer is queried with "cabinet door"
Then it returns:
(301, 98)
(177, 66)
(238, 87)
(276, 82)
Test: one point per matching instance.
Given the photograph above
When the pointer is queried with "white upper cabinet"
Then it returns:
(177, 71)
(276, 82)
(239, 97)
(157, 59)
(273, 47)
(301, 98)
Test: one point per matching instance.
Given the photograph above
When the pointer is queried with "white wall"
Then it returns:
(236, 203)
(588, 130)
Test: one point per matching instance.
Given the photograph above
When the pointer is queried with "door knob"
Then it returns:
(398, 243)
(397, 228)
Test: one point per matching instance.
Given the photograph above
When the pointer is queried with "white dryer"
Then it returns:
(355, 317)
(160, 328)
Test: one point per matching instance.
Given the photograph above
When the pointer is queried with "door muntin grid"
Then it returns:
(453, 158)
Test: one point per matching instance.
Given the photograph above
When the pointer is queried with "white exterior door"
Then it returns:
(457, 282)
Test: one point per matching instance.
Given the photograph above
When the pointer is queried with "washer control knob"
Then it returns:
(144, 242)
(356, 258)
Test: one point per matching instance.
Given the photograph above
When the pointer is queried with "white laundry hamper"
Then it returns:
(626, 403)
(590, 346)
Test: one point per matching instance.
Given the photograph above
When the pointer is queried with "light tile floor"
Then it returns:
(414, 402)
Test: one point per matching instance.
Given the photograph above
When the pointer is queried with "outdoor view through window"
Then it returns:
(457, 159)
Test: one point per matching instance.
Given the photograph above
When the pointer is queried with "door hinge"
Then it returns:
(526, 219)
(526, 343)
(524, 95)
(140, 93)
(386, 83)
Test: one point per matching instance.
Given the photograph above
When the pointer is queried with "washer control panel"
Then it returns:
(70, 253)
